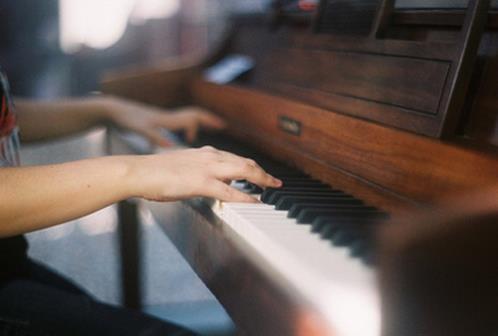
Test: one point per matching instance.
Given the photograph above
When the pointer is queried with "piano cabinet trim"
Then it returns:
(236, 277)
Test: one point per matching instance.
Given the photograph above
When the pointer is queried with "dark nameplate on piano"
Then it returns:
(380, 117)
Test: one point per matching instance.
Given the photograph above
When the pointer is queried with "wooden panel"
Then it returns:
(401, 81)
(381, 113)
(409, 83)
(165, 84)
(437, 50)
(438, 18)
(346, 17)
(410, 166)
(262, 46)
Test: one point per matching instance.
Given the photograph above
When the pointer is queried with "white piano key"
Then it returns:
(342, 287)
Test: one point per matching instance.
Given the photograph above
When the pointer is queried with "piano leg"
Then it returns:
(129, 249)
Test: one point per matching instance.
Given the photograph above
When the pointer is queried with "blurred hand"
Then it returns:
(148, 120)
(182, 174)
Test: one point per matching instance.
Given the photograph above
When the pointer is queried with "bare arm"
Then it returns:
(32, 198)
(39, 120)
(40, 196)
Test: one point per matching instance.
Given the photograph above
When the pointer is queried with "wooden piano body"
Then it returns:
(402, 114)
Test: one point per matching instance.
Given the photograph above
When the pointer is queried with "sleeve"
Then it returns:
(9, 138)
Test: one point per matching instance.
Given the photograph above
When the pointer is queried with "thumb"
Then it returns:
(191, 133)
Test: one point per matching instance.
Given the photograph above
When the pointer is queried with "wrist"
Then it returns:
(124, 170)
(136, 179)
(105, 107)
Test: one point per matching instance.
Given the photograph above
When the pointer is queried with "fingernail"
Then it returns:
(278, 182)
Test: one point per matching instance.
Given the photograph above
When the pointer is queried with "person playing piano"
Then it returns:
(33, 299)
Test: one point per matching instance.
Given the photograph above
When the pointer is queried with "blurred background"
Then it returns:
(52, 48)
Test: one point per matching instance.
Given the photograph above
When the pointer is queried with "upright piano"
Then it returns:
(382, 121)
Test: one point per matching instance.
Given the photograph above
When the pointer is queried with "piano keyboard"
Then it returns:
(315, 240)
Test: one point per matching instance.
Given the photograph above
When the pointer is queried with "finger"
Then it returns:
(210, 120)
(249, 169)
(235, 167)
(262, 179)
(233, 157)
(191, 133)
(224, 192)
(156, 137)
(245, 169)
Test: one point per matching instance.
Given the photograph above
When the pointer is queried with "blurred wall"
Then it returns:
(31, 56)
(29, 43)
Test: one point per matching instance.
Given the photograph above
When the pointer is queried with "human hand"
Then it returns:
(148, 120)
(183, 174)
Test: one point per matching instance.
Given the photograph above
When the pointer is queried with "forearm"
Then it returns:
(46, 120)
(32, 198)
(40, 120)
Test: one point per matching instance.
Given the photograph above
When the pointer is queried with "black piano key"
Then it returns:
(368, 257)
(254, 189)
(286, 173)
(326, 231)
(307, 216)
(275, 197)
(360, 248)
(319, 223)
(330, 227)
(352, 233)
(302, 183)
(286, 202)
(351, 230)
(269, 192)
(297, 209)
(288, 186)
(301, 188)
(358, 240)
(305, 179)
(344, 237)
(329, 224)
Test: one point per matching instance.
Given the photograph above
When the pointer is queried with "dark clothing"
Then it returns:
(38, 302)
(12, 250)
(12, 253)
